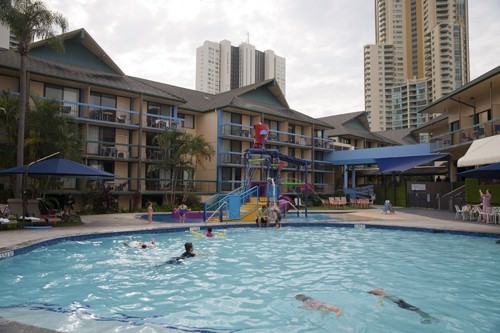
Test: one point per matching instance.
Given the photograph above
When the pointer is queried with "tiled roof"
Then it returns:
(204, 102)
(400, 136)
(11, 59)
(352, 124)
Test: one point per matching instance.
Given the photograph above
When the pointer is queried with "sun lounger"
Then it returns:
(33, 215)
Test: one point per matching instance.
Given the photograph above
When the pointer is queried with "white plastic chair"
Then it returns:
(459, 212)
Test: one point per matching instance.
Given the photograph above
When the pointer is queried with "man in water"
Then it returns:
(426, 318)
(188, 253)
(318, 305)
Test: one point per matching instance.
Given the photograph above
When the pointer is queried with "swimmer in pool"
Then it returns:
(140, 245)
(209, 232)
(315, 304)
(426, 318)
(188, 253)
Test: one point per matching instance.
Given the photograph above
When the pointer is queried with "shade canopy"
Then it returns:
(404, 163)
(58, 167)
(482, 151)
(491, 171)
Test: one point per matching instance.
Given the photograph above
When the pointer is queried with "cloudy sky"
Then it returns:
(322, 40)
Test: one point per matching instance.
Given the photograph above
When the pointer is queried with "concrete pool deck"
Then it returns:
(98, 224)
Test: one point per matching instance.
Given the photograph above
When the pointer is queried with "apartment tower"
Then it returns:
(420, 54)
(7, 40)
(221, 67)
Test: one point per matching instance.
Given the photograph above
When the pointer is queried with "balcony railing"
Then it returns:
(274, 137)
(465, 135)
(231, 158)
(107, 149)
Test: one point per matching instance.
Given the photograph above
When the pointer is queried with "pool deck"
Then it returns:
(98, 224)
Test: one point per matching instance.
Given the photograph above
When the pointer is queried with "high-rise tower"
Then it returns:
(420, 54)
(221, 67)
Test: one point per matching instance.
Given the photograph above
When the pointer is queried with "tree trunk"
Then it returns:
(23, 101)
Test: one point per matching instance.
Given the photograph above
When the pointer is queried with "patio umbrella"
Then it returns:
(58, 167)
(491, 171)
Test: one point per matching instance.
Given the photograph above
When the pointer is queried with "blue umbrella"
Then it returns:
(58, 167)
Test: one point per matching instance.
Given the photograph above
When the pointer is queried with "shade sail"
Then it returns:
(58, 167)
(491, 171)
(404, 163)
(482, 151)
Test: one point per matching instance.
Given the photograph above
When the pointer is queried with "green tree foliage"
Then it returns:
(183, 153)
(61, 136)
(28, 20)
(48, 132)
(9, 114)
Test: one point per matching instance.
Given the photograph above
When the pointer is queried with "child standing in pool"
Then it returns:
(150, 212)
(182, 210)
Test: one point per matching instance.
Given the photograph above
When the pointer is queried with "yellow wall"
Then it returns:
(8, 83)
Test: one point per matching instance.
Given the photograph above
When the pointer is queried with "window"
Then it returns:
(187, 120)
(159, 109)
(68, 96)
(454, 126)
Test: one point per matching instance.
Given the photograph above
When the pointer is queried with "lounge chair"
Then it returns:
(34, 210)
(16, 209)
(33, 214)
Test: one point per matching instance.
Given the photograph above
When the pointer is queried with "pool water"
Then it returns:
(247, 282)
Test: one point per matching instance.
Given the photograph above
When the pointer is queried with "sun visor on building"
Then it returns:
(404, 163)
(482, 151)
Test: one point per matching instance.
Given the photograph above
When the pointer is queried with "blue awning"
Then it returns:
(491, 171)
(404, 163)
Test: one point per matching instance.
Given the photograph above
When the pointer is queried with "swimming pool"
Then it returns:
(247, 282)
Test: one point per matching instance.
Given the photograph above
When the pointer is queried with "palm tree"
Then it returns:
(27, 20)
(182, 152)
(200, 151)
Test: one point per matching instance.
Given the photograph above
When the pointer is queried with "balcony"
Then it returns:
(234, 158)
(110, 150)
(465, 135)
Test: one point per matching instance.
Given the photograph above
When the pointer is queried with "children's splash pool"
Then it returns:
(247, 282)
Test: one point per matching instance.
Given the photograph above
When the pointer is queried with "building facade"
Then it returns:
(221, 67)
(119, 118)
(420, 54)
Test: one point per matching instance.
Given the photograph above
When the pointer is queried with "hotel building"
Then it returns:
(119, 116)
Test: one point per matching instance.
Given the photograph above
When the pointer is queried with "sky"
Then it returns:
(322, 40)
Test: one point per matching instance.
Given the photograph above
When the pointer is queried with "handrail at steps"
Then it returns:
(219, 210)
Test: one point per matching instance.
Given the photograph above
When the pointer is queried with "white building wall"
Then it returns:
(247, 64)
(4, 37)
(225, 66)
(208, 67)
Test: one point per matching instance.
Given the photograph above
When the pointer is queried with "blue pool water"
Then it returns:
(247, 282)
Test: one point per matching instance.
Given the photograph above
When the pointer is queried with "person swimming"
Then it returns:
(140, 245)
(426, 318)
(188, 253)
(315, 304)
